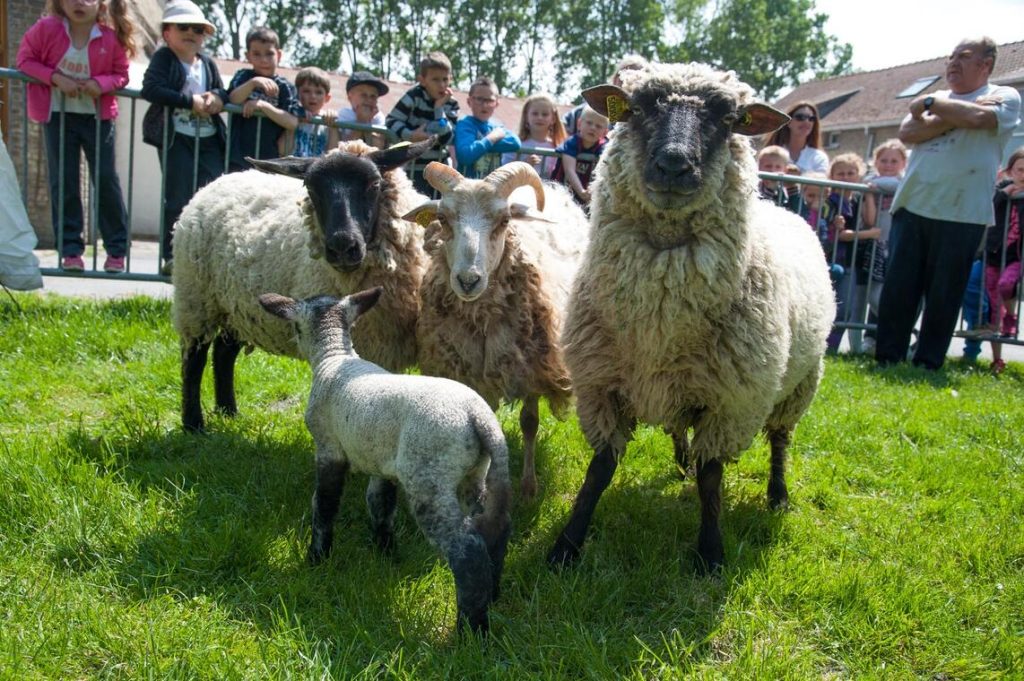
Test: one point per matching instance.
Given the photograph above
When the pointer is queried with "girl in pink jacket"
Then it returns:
(79, 52)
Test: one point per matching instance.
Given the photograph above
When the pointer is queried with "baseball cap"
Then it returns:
(366, 78)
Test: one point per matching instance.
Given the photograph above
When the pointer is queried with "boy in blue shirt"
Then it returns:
(260, 89)
(578, 155)
(479, 140)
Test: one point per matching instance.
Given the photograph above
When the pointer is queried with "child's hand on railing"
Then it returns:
(66, 84)
(90, 88)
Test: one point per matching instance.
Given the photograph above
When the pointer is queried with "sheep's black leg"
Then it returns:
(528, 421)
(778, 496)
(494, 524)
(225, 350)
(330, 480)
(709, 541)
(599, 474)
(440, 516)
(681, 448)
(381, 500)
(193, 361)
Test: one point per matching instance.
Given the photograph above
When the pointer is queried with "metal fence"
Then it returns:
(855, 252)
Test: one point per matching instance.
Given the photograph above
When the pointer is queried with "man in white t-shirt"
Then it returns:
(944, 202)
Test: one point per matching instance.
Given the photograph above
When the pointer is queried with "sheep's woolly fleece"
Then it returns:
(251, 233)
(505, 344)
(714, 315)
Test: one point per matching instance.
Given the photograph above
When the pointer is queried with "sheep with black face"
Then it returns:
(697, 305)
(301, 227)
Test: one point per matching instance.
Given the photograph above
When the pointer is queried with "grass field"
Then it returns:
(129, 549)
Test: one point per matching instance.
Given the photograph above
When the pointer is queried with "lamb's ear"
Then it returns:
(279, 306)
(361, 302)
(401, 153)
(292, 166)
(423, 215)
(759, 119)
(609, 101)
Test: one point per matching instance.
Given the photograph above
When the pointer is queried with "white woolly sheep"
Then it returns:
(435, 437)
(338, 230)
(697, 305)
(496, 287)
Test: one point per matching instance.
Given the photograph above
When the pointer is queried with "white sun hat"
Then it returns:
(186, 12)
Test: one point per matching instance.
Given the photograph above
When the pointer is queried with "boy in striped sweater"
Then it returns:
(427, 109)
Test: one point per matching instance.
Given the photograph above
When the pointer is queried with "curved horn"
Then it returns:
(513, 175)
(441, 177)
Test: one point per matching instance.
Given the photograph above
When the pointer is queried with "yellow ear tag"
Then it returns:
(616, 106)
(424, 218)
(746, 119)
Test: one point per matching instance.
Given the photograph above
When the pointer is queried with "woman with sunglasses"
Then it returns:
(187, 92)
(802, 137)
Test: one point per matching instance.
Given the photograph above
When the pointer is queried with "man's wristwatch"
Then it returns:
(928, 101)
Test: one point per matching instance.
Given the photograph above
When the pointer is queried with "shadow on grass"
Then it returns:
(232, 525)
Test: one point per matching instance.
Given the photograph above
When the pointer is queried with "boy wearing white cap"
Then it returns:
(187, 93)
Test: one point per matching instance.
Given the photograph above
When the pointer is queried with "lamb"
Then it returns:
(697, 305)
(496, 287)
(435, 437)
(338, 230)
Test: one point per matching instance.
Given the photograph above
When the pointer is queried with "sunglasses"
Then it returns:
(804, 117)
(198, 29)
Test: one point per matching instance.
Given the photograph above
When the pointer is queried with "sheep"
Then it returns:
(337, 231)
(435, 437)
(697, 304)
(495, 290)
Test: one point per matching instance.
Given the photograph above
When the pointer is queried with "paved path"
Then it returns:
(145, 255)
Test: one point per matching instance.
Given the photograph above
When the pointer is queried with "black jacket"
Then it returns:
(162, 85)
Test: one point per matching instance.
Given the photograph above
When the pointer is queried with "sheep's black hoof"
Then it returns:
(194, 427)
(386, 544)
(778, 496)
(477, 622)
(316, 555)
(228, 410)
(710, 555)
(563, 555)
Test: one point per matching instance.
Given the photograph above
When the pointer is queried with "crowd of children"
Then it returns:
(82, 47)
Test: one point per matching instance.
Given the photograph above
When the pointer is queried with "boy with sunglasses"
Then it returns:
(187, 93)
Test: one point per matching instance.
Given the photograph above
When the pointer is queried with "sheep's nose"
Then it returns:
(673, 164)
(468, 281)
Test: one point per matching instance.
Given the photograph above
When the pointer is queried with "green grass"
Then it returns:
(131, 550)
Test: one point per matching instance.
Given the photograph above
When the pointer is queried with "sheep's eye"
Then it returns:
(730, 118)
(374, 185)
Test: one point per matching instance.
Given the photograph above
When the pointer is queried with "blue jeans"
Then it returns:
(80, 136)
(930, 259)
(975, 307)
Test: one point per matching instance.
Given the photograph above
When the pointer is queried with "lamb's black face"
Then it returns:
(345, 191)
(682, 135)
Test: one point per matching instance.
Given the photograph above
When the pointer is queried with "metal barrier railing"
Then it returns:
(855, 270)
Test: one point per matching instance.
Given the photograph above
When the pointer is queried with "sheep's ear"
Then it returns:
(292, 166)
(610, 101)
(400, 154)
(279, 306)
(423, 215)
(518, 210)
(364, 300)
(759, 119)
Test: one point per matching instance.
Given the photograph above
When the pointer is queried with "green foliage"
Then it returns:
(541, 44)
(129, 549)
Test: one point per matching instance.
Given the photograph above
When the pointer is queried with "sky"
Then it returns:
(887, 33)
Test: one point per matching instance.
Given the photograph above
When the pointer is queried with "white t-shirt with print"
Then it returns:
(185, 121)
(74, 64)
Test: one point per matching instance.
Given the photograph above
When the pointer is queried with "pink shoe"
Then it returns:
(1010, 325)
(73, 263)
(114, 264)
(998, 367)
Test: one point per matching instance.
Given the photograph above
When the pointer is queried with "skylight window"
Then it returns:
(917, 87)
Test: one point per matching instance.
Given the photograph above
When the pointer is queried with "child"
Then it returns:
(81, 49)
(185, 84)
(313, 139)
(821, 216)
(363, 89)
(260, 89)
(775, 159)
(889, 160)
(539, 128)
(578, 155)
(1002, 258)
(427, 109)
(478, 138)
(850, 238)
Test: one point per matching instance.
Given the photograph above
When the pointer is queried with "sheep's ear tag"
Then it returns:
(618, 108)
(424, 218)
(759, 119)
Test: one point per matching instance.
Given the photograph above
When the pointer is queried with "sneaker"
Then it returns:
(998, 367)
(114, 264)
(867, 346)
(73, 263)
(167, 268)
